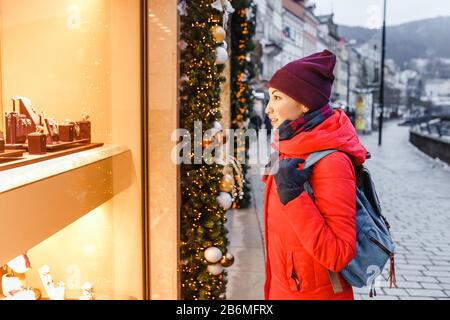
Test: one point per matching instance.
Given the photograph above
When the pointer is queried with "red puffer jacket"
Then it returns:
(305, 238)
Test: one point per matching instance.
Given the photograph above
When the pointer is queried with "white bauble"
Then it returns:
(215, 269)
(225, 200)
(217, 125)
(221, 55)
(224, 45)
(213, 254)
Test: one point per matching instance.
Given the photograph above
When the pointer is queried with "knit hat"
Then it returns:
(308, 80)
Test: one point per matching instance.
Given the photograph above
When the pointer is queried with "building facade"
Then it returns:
(293, 30)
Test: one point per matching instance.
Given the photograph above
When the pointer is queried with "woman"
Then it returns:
(307, 241)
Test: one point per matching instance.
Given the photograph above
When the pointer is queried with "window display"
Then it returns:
(25, 132)
(71, 144)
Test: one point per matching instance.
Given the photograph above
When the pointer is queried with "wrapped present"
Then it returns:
(84, 131)
(17, 128)
(37, 142)
(84, 128)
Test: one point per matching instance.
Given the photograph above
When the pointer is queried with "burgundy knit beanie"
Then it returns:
(308, 80)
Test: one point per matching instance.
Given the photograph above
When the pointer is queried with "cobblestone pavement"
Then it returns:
(415, 194)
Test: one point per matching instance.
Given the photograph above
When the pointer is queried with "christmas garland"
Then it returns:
(203, 249)
(243, 24)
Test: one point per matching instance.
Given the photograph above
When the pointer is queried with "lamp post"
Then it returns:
(383, 53)
(348, 81)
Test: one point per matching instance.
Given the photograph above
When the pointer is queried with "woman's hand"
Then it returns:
(290, 180)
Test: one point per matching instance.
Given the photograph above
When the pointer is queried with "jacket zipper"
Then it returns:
(297, 282)
(377, 243)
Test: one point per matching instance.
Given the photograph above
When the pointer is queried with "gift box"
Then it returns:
(84, 130)
(67, 132)
(11, 123)
(37, 143)
(17, 128)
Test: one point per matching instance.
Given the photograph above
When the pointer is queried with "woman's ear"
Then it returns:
(303, 108)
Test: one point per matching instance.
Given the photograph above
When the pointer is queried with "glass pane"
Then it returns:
(71, 58)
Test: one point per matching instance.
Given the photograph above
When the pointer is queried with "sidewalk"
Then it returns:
(414, 190)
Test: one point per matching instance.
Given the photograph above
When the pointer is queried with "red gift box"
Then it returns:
(67, 132)
(37, 143)
(17, 128)
(84, 130)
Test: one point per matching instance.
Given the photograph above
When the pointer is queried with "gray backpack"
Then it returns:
(374, 245)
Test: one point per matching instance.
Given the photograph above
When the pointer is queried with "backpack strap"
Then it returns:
(313, 159)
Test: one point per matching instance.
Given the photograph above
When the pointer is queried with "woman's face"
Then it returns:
(281, 107)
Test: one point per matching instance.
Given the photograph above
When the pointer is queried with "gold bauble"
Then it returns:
(207, 142)
(227, 260)
(219, 34)
(227, 183)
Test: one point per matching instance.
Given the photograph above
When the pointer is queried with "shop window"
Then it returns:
(78, 217)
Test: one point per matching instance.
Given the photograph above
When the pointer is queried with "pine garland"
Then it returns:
(202, 219)
(242, 71)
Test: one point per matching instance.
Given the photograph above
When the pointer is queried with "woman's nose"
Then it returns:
(268, 108)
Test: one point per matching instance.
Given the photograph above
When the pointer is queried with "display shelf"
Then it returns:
(28, 159)
(8, 154)
(40, 199)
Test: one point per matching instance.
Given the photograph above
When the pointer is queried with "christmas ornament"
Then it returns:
(225, 7)
(217, 125)
(184, 262)
(224, 45)
(219, 34)
(218, 133)
(221, 55)
(213, 254)
(249, 13)
(215, 134)
(182, 8)
(221, 137)
(227, 260)
(215, 269)
(227, 183)
(206, 142)
(233, 168)
(182, 45)
(184, 78)
(225, 200)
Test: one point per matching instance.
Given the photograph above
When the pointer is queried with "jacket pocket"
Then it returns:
(303, 267)
(294, 279)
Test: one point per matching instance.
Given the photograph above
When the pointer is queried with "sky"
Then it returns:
(369, 13)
